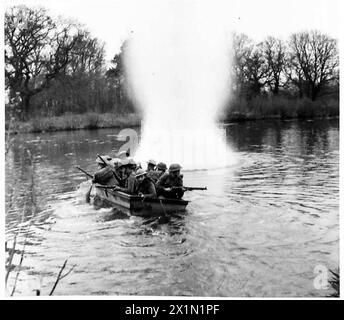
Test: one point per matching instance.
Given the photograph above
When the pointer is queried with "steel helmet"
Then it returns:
(140, 172)
(151, 161)
(161, 166)
(115, 161)
(174, 167)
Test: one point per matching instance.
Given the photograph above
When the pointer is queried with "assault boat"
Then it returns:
(136, 205)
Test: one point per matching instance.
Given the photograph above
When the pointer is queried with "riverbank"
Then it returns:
(77, 122)
(259, 108)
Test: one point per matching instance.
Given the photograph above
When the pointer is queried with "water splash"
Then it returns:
(178, 65)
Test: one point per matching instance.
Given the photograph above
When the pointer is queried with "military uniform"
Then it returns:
(147, 188)
(105, 176)
(155, 175)
(118, 176)
(130, 185)
(127, 179)
(169, 181)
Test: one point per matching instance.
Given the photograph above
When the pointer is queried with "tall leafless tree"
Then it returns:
(87, 55)
(37, 50)
(249, 66)
(313, 62)
(242, 49)
(274, 52)
(257, 70)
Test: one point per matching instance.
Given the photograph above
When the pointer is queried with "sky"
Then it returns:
(113, 20)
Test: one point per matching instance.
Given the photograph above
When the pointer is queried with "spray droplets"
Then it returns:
(178, 68)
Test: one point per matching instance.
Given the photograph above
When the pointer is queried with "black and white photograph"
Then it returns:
(171, 149)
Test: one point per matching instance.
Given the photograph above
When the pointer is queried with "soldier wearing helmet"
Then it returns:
(161, 167)
(105, 175)
(128, 183)
(114, 163)
(158, 172)
(145, 186)
(170, 185)
(151, 165)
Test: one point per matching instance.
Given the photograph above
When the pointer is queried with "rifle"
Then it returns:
(85, 172)
(100, 157)
(190, 188)
(115, 187)
(88, 194)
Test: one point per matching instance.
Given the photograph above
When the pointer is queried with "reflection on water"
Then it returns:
(260, 229)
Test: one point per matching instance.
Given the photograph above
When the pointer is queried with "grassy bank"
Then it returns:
(257, 108)
(280, 108)
(77, 122)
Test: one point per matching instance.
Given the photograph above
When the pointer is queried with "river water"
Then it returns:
(261, 229)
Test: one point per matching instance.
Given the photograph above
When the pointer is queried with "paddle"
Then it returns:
(163, 218)
(88, 194)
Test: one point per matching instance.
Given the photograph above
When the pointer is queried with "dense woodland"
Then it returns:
(56, 67)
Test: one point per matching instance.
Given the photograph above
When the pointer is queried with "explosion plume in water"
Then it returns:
(178, 66)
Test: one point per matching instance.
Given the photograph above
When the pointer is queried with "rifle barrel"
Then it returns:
(100, 157)
(84, 171)
(190, 188)
(106, 187)
(195, 188)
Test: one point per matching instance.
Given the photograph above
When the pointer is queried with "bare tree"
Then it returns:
(36, 51)
(84, 76)
(274, 52)
(313, 62)
(242, 49)
(257, 70)
(87, 55)
(249, 66)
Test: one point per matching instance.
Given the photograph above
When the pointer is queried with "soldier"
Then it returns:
(151, 165)
(145, 186)
(156, 174)
(129, 183)
(170, 185)
(161, 167)
(132, 162)
(115, 165)
(105, 175)
(138, 165)
(122, 169)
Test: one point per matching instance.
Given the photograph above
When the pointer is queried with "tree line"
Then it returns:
(54, 67)
(306, 65)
